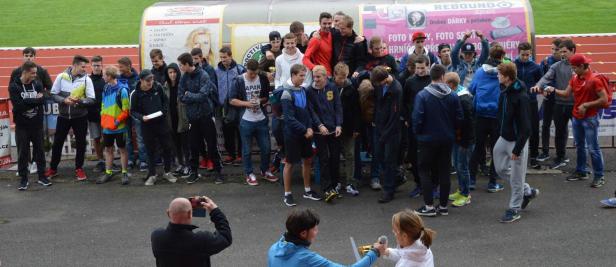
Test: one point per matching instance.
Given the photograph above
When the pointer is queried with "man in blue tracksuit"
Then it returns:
(530, 73)
(486, 89)
(467, 65)
(327, 126)
(437, 115)
(293, 247)
(226, 71)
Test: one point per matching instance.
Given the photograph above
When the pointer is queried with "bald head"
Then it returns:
(180, 211)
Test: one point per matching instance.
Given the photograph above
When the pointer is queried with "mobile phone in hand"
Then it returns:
(197, 209)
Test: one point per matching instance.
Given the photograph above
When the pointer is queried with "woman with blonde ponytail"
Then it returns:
(414, 241)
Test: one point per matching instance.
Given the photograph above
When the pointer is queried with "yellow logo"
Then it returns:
(330, 95)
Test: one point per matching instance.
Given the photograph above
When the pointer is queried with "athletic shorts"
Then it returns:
(297, 148)
(118, 138)
(95, 129)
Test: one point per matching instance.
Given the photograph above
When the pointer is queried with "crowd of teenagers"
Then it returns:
(332, 94)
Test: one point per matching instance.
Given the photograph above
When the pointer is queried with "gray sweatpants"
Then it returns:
(517, 174)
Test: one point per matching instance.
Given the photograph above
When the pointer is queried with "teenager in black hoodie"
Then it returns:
(510, 152)
(27, 98)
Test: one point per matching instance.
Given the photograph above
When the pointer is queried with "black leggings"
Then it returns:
(80, 129)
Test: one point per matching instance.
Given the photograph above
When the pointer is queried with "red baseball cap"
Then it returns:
(579, 59)
(418, 35)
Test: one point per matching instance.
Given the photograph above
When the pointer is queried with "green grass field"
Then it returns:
(82, 22)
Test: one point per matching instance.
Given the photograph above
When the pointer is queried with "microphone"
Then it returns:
(383, 239)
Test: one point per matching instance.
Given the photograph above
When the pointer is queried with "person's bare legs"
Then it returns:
(109, 158)
(123, 158)
(287, 173)
(306, 168)
(98, 149)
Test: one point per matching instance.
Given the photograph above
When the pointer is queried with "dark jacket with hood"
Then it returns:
(326, 107)
(197, 92)
(177, 110)
(94, 111)
(514, 115)
(296, 110)
(160, 74)
(387, 110)
(486, 89)
(349, 52)
(129, 80)
(530, 73)
(27, 108)
(412, 86)
(238, 91)
(178, 245)
(437, 114)
(147, 102)
(210, 71)
(349, 98)
(42, 76)
(466, 136)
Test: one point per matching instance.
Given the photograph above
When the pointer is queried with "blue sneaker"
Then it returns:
(495, 187)
(510, 216)
(416, 192)
(609, 203)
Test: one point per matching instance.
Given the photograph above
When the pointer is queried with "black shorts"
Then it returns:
(118, 138)
(297, 148)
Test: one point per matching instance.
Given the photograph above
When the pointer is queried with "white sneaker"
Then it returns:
(169, 177)
(375, 185)
(352, 190)
(151, 180)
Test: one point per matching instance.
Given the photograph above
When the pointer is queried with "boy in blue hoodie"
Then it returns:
(437, 115)
(530, 73)
(292, 248)
(327, 125)
(297, 133)
(486, 90)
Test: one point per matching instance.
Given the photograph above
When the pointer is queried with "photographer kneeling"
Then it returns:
(177, 245)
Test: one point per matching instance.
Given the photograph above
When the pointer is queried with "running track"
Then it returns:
(600, 48)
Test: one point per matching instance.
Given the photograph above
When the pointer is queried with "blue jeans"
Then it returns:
(586, 134)
(260, 130)
(136, 124)
(461, 160)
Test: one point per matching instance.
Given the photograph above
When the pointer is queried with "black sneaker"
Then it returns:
(543, 157)
(558, 162)
(312, 195)
(193, 178)
(105, 178)
(424, 211)
(218, 179)
(442, 210)
(100, 167)
(533, 194)
(597, 182)
(186, 172)
(576, 176)
(386, 198)
(288, 200)
(510, 216)
(535, 164)
(23, 184)
(44, 181)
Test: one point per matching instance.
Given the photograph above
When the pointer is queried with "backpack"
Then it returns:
(608, 88)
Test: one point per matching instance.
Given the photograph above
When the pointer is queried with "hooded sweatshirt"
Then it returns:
(296, 110)
(144, 103)
(197, 93)
(283, 68)
(225, 78)
(530, 73)
(114, 114)
(27, 108)
(415, 255)
(486, 89)
(514, 115)
(559, 76)
(290, 251)
(129, 80)
(437, 114)
(79, 86)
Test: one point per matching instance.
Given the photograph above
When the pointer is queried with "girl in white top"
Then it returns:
(413, 239)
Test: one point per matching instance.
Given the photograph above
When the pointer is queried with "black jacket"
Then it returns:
(326, 107)
(160, 74)
(351, 113)
(467, 126)
(346, 50)
(210, 72)
(514, 115)
(201, 94)
(94, 111)
(387, 111)
(403, 76)
(42, 77)
(143, 103)
(412, 86)
(27, 109)
(177, 245)
(386, 60)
